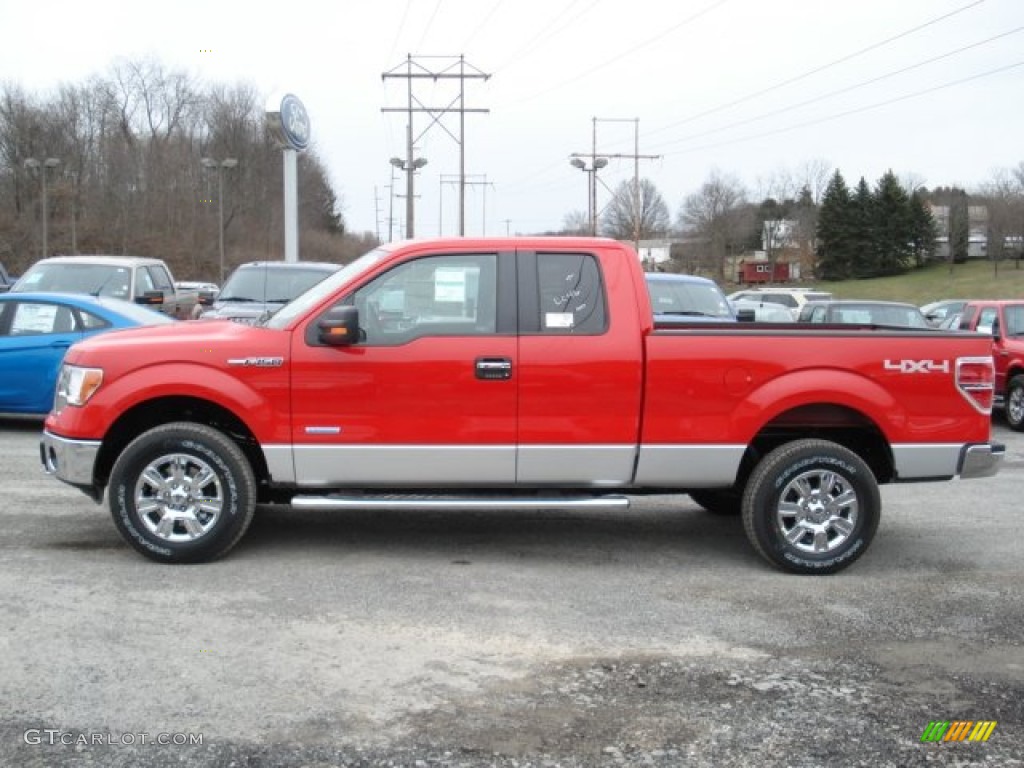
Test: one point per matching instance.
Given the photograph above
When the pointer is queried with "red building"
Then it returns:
(762, 272)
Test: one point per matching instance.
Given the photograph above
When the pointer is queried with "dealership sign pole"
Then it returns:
(289, 121)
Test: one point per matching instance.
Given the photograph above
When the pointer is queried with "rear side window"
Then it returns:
(572, 299)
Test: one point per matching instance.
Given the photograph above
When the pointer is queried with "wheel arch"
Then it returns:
(836, 423)
(162, 410)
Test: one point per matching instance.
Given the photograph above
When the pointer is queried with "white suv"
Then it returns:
(791, 298)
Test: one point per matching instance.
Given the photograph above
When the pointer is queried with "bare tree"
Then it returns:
(576, 223)
(714, 214)
(814, 176)
(1004, 196)
(621, 220)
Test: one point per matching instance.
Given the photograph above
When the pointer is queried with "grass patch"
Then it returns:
(934, 282)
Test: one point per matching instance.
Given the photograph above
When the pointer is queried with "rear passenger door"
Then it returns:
(579, 372)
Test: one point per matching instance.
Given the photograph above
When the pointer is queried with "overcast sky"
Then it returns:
(933, 89)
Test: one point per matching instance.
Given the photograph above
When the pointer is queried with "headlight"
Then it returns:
(76, 385)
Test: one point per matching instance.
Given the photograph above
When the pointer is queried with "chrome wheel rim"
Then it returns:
(817, 512)
(179, 497)
(1015, 405)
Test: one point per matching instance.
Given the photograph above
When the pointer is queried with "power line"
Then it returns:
(629, 52)
(822, 68)
(849, 112)
(552, 28)
(482, 24)
(429, 24)
(847, 89)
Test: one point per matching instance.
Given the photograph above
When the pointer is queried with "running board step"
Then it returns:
(458, 502)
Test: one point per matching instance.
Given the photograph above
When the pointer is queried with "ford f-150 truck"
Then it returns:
(131, 278)
(1003, 321)
(506, 374)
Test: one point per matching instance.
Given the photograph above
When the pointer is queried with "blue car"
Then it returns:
(36, 330)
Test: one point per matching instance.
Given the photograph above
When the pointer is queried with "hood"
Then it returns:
(246, 311)
(204, 343)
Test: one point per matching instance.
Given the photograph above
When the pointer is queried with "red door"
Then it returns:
(428, 398)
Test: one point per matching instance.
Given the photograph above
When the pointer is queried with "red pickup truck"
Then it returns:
(1004, 321)
(513, 373)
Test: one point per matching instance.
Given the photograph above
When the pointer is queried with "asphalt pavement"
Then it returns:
(648, 637)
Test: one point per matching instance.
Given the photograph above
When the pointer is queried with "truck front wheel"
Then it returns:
(1015, 403)
(182, 493)
(811, 506)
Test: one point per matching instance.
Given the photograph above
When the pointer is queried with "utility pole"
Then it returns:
(453, 69)
(636, 157)
(481, 180)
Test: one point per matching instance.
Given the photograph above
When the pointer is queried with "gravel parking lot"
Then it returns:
(653, 637)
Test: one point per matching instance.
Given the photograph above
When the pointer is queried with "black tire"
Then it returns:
(727, 502)
(171, 469)
(1014, 407)
(811, 507)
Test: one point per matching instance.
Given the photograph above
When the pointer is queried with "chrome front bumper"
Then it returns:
(981, 460)
(70, 460)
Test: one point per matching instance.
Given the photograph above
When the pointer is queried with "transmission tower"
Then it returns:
(451, 68)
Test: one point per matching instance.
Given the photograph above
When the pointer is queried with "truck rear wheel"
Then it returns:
(811, 506)
(1015, 403)
(182, 493)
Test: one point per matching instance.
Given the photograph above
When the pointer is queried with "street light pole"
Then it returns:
(596, 164)
(220, 165)
(42, 165)
(410, 167)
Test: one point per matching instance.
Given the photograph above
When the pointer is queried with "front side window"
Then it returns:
(161, 280)
(143, 282)
(452, 295)
(987, 319)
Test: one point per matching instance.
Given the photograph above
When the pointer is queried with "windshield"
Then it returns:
(325, 288)
(1014, 315)
(271, 284)
(867, 314)
(94, 279)
(681, 297)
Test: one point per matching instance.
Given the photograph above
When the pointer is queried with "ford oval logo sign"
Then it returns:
(291, 122)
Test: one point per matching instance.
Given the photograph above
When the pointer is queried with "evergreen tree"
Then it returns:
(834, 253)
(865, 249)
(958, 226)
(892, 229)
(923, 229)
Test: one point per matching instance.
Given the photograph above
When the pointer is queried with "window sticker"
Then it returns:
(558, 320)
(34, 318)
(450, 285)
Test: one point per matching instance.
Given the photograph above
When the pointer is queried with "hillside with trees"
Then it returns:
(127, 175)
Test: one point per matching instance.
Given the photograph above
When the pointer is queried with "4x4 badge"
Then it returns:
(918, 366)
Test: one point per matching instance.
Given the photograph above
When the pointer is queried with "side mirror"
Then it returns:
(746, 315)
(150, 298)
(339, 327)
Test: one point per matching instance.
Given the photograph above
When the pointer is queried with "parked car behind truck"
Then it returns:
(261, 287)
(512, 373)
(1003, 322)
(129, 278)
